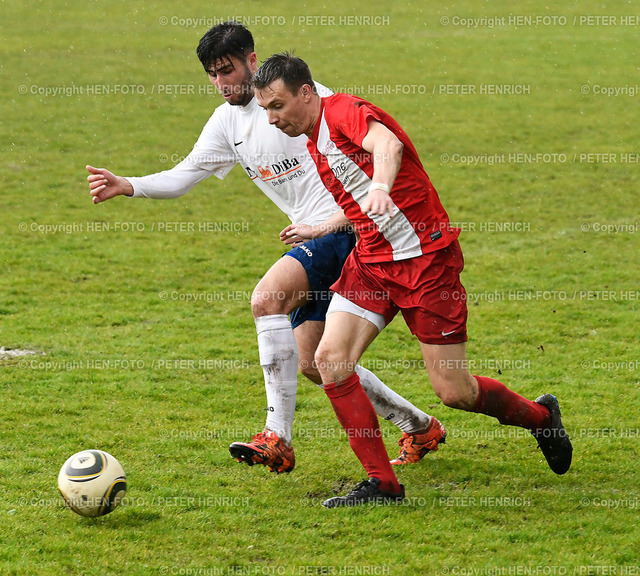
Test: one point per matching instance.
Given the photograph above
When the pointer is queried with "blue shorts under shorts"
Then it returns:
(322, 259)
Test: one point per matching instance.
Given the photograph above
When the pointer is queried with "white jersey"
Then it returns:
(278, 164)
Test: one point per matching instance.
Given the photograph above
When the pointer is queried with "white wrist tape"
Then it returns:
(379, 186)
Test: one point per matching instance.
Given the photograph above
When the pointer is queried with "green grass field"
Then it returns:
(525, 117)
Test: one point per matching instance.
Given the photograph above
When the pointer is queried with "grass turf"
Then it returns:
(139, 310)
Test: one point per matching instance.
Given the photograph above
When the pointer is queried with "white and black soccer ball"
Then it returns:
(92, 483)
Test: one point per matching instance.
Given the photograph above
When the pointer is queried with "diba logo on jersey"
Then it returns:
(270, 171)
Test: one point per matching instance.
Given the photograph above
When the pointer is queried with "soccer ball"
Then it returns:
(92, 483)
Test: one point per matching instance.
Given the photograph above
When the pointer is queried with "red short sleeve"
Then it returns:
(351, 116)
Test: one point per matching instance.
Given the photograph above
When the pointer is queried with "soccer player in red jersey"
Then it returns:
(407, 259)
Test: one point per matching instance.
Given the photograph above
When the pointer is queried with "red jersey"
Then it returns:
(419, 224)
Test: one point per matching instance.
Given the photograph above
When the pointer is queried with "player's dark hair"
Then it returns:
(293, 71)
(224, 40)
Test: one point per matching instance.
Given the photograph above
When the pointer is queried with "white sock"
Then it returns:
(279, 360)
(390, 405)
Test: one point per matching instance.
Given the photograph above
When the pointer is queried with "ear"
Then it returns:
(306, 92)
(252, 62)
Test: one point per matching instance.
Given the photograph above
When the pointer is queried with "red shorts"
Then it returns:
(426, 289)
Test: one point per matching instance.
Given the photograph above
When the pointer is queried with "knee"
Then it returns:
(332, 363)
(265, 303)
(322, 356)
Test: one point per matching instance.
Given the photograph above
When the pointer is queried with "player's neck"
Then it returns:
(315, 108)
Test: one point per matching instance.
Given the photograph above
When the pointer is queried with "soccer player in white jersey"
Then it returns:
(239, 132)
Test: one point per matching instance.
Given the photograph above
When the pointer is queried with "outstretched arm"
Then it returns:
(170, 183)
(211, 154)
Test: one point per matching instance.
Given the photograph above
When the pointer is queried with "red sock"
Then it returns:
(358, 418)
(495, 399)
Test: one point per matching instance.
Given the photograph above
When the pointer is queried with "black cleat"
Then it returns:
(554, 440)
(367, 492)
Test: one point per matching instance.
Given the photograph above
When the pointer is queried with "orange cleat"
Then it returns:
(265, 448)
(413, 447)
